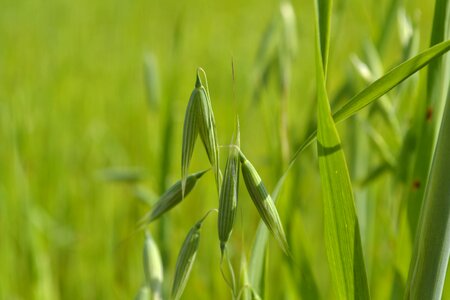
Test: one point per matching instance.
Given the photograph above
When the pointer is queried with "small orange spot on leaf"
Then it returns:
(429, 113)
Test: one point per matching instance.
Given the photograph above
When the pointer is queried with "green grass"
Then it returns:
(83, 155)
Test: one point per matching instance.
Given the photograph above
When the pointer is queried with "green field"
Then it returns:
(93, 96)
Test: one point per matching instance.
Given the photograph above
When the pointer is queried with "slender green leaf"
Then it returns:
(325, 9)
(342, 237)
(380, 87)
(390, 80)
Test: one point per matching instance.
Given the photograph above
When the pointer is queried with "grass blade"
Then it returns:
(428, 117)
(342, 237)
(390, 80)
(324, 8)
(380, 87)
(432, 248)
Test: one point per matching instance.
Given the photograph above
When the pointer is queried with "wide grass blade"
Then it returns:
(432, 243)
(342, 237)
(429, 115)
(432, 248)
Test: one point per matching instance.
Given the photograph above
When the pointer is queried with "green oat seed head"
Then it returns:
(228, 199)
(207, 127)
(190, 132)
(186, 259)
(199, 119)
(172, 197)
(263, 202)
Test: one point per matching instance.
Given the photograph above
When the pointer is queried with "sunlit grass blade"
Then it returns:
(342, 237)
(432, 248)
(153, 268)
(390, 80)
(263, 202)
(172, 197)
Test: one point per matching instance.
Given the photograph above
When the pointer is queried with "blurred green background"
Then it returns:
(75, 115)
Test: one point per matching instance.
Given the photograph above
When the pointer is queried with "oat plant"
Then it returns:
(342, 233)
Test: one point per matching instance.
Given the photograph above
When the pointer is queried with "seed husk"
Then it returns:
(207, 129)
(263, 202)
(153, 268)
(190, 133)
(228, 199)
(173, 196)
(199, 120)
(185, 261)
